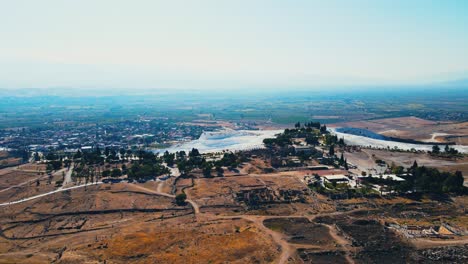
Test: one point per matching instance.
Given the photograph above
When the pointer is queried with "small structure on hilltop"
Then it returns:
(304, 149)
(337, 178)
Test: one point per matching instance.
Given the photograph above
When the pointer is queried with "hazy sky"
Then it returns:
(252, 43)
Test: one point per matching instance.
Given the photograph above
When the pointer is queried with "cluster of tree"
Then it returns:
(307, 155)
(343, 162)
(147, 166)
(89, 157)
(331, 151)
(311, 124)
(180, 199)
(51, 156)
(146, 170)
(312, 139)
(169, 158)
(54, 165)
(186, 163)
(424, 179)
(230, 160)
(109, 155)
(398, 170)
(89, 173)
(281, 140)
(309, 132)
(323, 129)
(434, 181)
(22, 153)
(115, 172)
(343, 191)
(195, 160)
(329, 139)
(448, 151)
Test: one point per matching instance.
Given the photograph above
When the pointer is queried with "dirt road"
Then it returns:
(48, 193)
(194, 205)
(68, 179)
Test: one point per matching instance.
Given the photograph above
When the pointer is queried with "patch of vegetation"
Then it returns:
(181, 199)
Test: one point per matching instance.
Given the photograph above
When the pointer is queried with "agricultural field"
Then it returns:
(414, 128)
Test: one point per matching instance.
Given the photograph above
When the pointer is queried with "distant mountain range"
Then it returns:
(459, 82)
(455, 84)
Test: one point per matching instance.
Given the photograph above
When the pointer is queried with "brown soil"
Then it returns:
(123, 223)
(415, 128)
(301, 231)
(324, 257)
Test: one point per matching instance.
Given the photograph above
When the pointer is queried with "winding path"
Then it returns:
(194, 205)
(287, 250)
(68, 178)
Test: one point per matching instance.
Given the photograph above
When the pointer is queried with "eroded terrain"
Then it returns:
(247, 218)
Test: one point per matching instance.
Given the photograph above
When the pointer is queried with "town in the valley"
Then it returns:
(233, 132)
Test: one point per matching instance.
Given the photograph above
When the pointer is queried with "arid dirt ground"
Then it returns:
(415, 128)
(121, 223)
(255, 218)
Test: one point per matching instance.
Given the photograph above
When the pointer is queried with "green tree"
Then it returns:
(331, 150)
(106, 173)
(98, 151)
(220, 171)
(169, 158)
(435, 149)
(207, 170)
(311, 140)
(116, 172)
(124, 169)
(323, 129)
(453, 183)
(398, 170)
(51, 156)
(180, 199)
(78, 155)
(181, 155)
(341, 142)
(49, 168)
(194, 153)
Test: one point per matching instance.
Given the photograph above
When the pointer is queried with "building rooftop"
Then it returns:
(337, 177)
